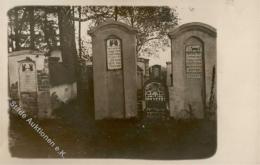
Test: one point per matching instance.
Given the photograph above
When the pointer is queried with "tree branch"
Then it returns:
(141, 44)
(105, 15)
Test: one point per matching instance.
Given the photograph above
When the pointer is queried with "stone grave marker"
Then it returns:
(156, 98)
(114, 70)
(28, 86)
(193, 55)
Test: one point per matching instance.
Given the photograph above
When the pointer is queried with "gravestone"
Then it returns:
(155, 95)
(156, 98)
(28, 86)
(44, 100)
(155, 72)
(193, 54)
(114, 70)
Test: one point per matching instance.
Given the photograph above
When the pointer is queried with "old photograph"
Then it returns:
(121, 82)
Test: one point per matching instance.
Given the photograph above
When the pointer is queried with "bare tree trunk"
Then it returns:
(32, 24)
(67, 40)
(132, 17)
(116, 13)
(16, 31)
(73, 15)
(45, 30)
(80, 48)
(11, 37)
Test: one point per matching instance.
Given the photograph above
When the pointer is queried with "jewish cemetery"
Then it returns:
(90, 80)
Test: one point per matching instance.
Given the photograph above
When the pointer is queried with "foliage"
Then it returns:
(152, 24)
(42, 30)
(32, 27)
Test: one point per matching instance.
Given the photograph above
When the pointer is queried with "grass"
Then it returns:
(80, 136)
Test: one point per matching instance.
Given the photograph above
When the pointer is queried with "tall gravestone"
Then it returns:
(193, 53)
(28, 86)
(114, 70)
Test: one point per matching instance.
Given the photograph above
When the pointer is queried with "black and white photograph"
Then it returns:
(128, 82)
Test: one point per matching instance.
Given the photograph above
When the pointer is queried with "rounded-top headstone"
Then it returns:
(193, 26)
(114, 70)
(193, 55)
(109, 23)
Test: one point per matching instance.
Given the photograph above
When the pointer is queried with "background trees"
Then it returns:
(38, 27)
(67, 38)
(32, 27)
(152, 23)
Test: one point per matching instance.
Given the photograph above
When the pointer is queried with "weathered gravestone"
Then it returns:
(155, 72)
(193, 52)
(114, 70)
(39, 83)
(155, 95)
(28, 86)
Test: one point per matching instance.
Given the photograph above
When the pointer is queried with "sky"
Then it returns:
(188, 11)
(191, 11)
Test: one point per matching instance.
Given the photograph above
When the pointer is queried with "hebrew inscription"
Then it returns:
(193, 61)
(114, 57)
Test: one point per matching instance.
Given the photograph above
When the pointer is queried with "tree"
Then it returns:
(67, 39)
(16, 17)
(80, 44)
(16, 29)
(152, 23)
(48, 22)
(33, 27)
(43, 28)
(32, 23)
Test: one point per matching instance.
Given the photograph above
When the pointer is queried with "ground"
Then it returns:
(80, 136)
